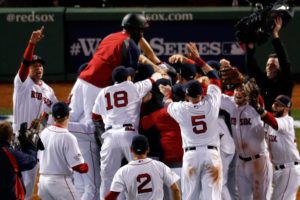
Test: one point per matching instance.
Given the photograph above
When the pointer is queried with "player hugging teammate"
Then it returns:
(216, 139)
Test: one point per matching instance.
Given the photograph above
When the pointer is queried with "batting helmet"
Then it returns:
(136, 21)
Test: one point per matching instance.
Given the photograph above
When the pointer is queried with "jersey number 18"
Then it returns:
(117, 99)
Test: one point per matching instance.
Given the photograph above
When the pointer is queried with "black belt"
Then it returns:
(249, 158)
(278, 167)
(194, 148)
(128, 127)
(174, 165)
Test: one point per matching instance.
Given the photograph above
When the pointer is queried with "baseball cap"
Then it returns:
(187, 71)
(144, 71)
(37, 58)
(139, 144)
(214, 64)
(60, 110)
(178, 92)
(163, 81)
(193, 88)
(284, 100)
(120, 74)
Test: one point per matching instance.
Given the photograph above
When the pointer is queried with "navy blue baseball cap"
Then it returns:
(178, 92)
(284, 100)
(60, 110)
(39, 59)
(187, 71)
(193, 88)
(120, 74)
(214, 64)
(140, 144)
(144, 71)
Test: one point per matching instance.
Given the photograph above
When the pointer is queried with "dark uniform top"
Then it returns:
(114, 50)
(281, 84)
(26, 160)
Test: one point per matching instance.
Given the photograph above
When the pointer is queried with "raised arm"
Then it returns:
(148, 51)
(35, 37)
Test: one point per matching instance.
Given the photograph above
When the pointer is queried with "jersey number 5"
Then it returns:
(120, 99)
(199, 126)
(143, 179)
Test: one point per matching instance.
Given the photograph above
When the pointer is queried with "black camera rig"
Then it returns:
(257, 27)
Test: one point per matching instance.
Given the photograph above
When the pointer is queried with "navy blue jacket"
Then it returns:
(26, 160)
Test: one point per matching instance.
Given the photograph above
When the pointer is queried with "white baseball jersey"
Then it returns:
(285, 157)
(120, 104)
(198, 126)
(143, 179)
(30, 100)
(227, 145)
(198, 122)
(247, 128)
(253, 167)
(61, 152)
(283, 144)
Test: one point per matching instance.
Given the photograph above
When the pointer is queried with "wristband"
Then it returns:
(260, 110)
(200, 62)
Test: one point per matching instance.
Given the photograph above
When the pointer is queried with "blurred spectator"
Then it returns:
(25, 160)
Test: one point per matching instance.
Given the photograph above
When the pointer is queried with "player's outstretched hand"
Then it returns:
(37, 35)
(177, 58)
(193, 51)
(277, 27)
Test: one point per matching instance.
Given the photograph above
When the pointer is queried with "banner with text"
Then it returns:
(168, 34)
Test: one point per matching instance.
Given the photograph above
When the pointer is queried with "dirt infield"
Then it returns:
(62, 90)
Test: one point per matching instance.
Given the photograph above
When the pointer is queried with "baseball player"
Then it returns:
(227, 150)
(31, 96)
(170, 137)
(60, 157)
(197, 118)
(116, 49)
(119, 107)
(253, 167)
(283, 148)
(143, 178)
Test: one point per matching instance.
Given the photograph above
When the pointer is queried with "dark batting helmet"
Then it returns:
(135, 21)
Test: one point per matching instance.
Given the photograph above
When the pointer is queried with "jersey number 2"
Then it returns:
(143, 179)
(199, 126)
(120, 99)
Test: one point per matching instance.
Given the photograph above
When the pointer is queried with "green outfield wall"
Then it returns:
(72, 35)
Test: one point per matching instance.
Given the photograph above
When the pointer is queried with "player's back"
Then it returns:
(144, 179)
(120, 104)
(198, 122)
(107, 56)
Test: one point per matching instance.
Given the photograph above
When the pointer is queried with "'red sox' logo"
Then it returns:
(39, 96)
(243, 121)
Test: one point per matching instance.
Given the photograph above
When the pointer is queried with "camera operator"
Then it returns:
(25, 160)
(277, 77)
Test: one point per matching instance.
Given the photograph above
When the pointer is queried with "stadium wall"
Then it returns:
(72, 35)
